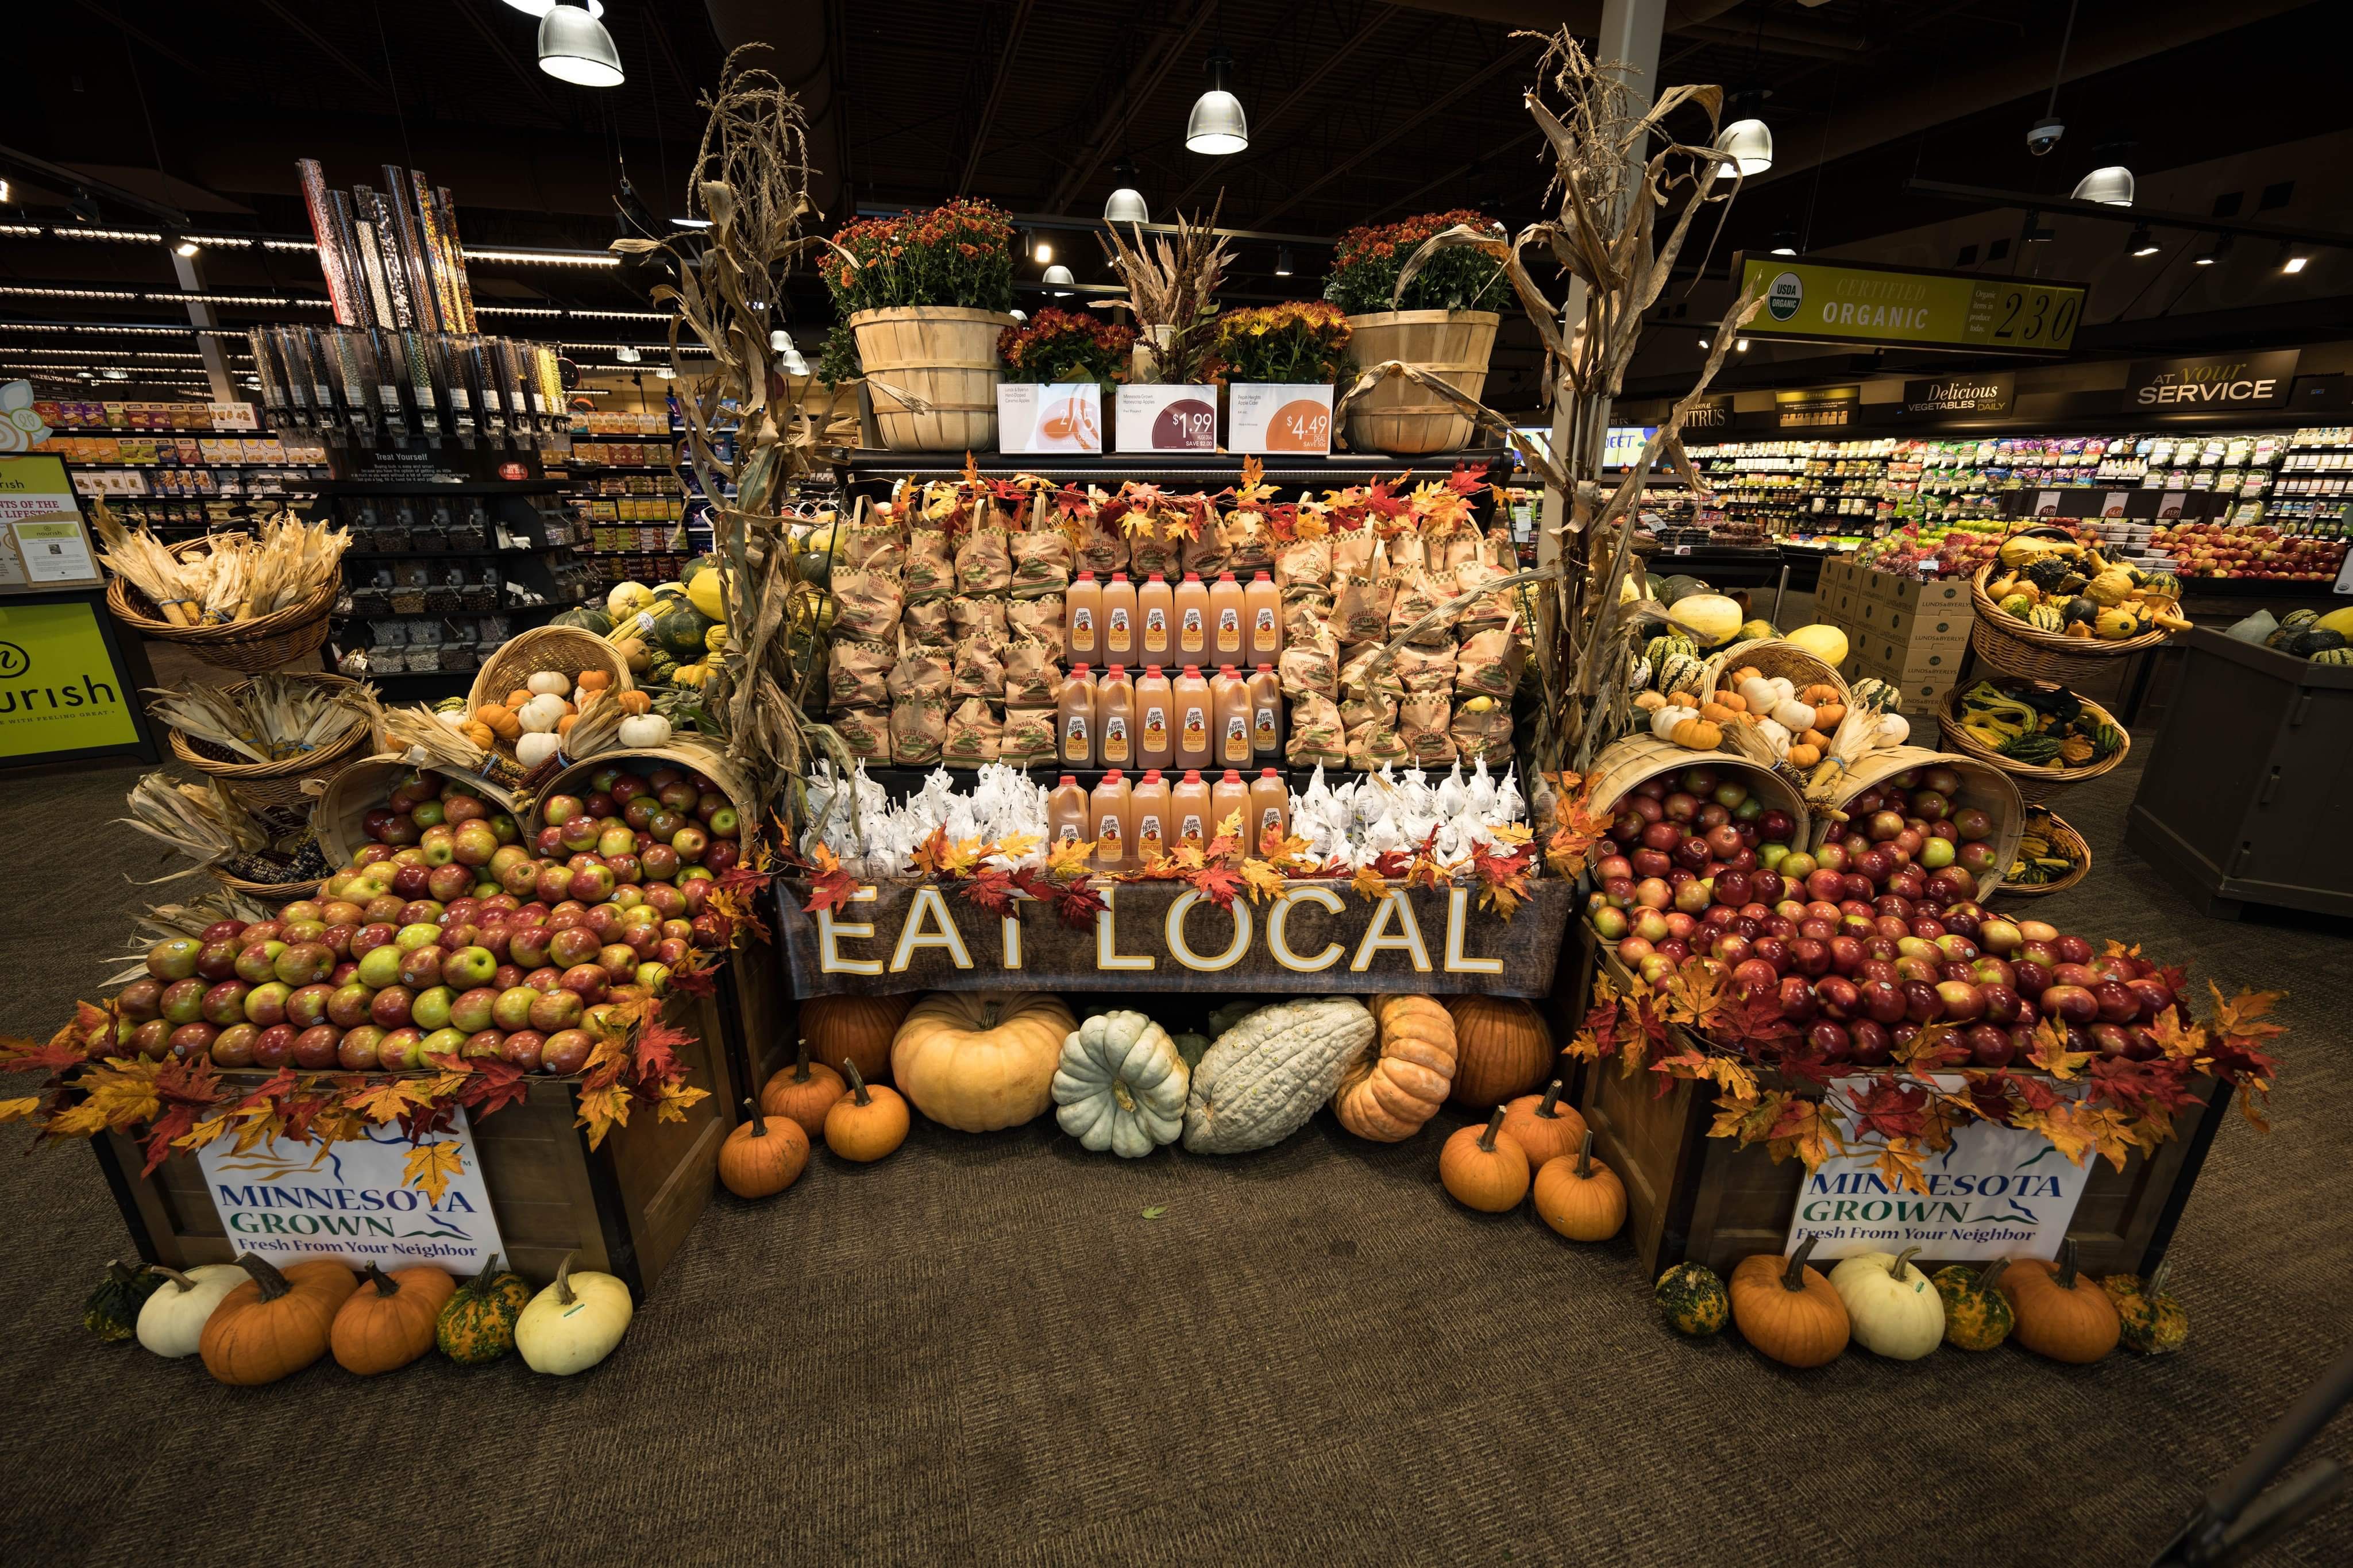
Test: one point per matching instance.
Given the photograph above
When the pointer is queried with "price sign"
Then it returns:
(1167, 419)
(1861, 302)
(1266, 417)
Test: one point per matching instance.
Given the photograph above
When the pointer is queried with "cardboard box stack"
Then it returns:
(1911, 633)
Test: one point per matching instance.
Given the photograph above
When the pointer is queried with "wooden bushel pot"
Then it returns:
(1402, 415)
(944, 355)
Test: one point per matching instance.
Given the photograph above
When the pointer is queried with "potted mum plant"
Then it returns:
(1055, 367)
(926, 295)
(1278, 364)
(1444, 322)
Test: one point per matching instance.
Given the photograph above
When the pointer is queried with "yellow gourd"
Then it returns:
(1697, 735)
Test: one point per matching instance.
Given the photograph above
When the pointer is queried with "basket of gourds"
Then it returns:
(2046, 737)
(571, 652)
(2051, 608)
(2050, 856)
(530, 722)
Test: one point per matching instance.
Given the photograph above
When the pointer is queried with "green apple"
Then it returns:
(412, 937)
(380, 966)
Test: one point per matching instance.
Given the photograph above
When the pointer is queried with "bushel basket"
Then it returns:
(1399, 415)
(945, 356)
(249, 648)
(277, 787)
(2035, 782)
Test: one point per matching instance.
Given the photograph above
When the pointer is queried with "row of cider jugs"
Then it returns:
(1112, 721)
(1134, 825)
(1223, 622)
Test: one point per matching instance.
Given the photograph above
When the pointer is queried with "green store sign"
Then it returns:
(1856, 303)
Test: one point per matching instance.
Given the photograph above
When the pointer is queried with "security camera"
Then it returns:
(2044, 134)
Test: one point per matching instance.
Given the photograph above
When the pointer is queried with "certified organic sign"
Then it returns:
(60, 690)
(353, 1200)
(2216, 381)
(1858, 303)
(1999, 1192)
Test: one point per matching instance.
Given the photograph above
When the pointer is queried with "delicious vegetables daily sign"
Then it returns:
(1317, 937)
(1858, 303)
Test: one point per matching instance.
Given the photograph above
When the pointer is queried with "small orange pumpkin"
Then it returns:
(1579, 1196)
(1501, 1047)
(389, 1321)
(2061, 1314)
(1545, 1127)
(276, 1322)
(762, 1156)
(866, 1123)
(1787, 1310)
(855, 1028)
(1483, 1168)
(803, 1092)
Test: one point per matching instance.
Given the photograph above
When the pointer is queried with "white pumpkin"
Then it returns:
(172, 1320)
(543, 713)
(1794, 716)
(574, 1324)
(1267, 1074)
(1777, 737)
(1664, 721)
(532, 748)
(1120, 1085)
(548, 683)
(1894, 729)
(1757, 692)
(641, 731)
(1891, 1307)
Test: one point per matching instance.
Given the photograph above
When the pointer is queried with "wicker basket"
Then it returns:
(1989, 788)
(1773, 658)
(266, 787)
(1402, 415)
(565, 650)
(1625, 763)
(361, 787)
(249, 648)
(2035, 784)
(2012, 646)
(270, 894)
(572, 779)
(944, 355)
(2060, 833)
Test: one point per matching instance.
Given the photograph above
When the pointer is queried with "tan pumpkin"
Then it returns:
(2060, 1312)
(979, 1060)
(389, 1321)
(1483, 1169)
(1786, 1308)
(854, 1029)
(1545, 1127)
(1501, 1047)
(276, 1324)
(803, 1092)
(866, 1123)
(1579, 1196)
(763, 1156)
(1393, 1088)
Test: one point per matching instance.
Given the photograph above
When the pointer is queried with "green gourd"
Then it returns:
(1976, 1316)
(1120, 1085)
(1682, 672)
(2334, 656)
(2046, 618)
(1692, 1299)
(112, 1310)
(2153, 1322)
(1267, 1074)
(476, 1325)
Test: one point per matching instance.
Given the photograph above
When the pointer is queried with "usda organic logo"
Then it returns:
(1782, 300)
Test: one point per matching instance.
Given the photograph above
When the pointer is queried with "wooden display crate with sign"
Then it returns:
(624, 1206)
(1693, 1198)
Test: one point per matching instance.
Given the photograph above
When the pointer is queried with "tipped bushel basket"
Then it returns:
(944, 355)
(1402, 415)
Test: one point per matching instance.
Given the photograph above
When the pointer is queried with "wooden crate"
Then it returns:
(626, 1206)
(1691, 1196)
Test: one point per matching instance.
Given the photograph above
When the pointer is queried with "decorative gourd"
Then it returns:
(1826, 643)
(1483, 1168)
(1892, 730)
(1388, 1093)
(1710, 618)
(538, 715)
(1119, 1084)
(1976, 1316)
(1731, 700)
(111, 1309)
(274, 1323)
(1875, 694)
(389, 1321)
(574, 1324)
(635, 704)
(763, 1155)
(1659, 649)
(1803, 756)
(1680, 672)
(854, 1029)
(1793, 716)
(803, 1092)
(1764, 693)
(2061, 1314)
(1697, 734)
(548, 683)
(1829, 716)
(534, 749)
(477, 1323)
(1579, 1196)
(1717, 713)
(1692, 1299)
(1890, 1305)
(979, 1060)
(1780, 740)
(1665, 720)
(1545, 1127)
(1650, 701)
(2152, 1322)
(500, 720)
(868, 1122)
(1501, 1047)
(1787, 1310)
(1262, 1079)
(172, 1320)
(592, 680)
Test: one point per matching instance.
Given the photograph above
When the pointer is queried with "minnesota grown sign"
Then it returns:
(1862, 302)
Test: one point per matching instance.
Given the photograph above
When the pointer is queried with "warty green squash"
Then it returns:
(1120, 1085)
(477, 1323)
(1976, 1316)
(1693, 1299)
(1264, 1077)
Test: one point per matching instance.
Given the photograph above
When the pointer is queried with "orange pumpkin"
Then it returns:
(803, 1092)
(1787, 1310)
(763, 1155)
(1545, 1127)
(389, 1321)
(276, 1324)
(854, 1029)
(1579, 1196)
(1484, 1169)
(2060, 1313)
(1501, 1047)
(1387, 1093)
(868, 1122)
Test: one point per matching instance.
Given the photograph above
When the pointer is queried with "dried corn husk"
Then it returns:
(199, 821)
(423, 736)
(238, 579)
(140, 560)
(269, 718)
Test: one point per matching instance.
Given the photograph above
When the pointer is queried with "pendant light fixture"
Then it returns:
(541, 8)
(1058, 274)
(1785, 242)
(1747, 140)
(1125, 204)
(1282, 261)
(1216, 125)
(2110, 186)
(574, 46)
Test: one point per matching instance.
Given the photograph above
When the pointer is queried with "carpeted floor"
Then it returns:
(981, 1350)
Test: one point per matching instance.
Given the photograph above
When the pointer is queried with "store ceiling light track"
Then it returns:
(2145, 216)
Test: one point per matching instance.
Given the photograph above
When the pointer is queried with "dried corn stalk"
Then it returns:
(267, 717)
(198, 821)
(1172, 290)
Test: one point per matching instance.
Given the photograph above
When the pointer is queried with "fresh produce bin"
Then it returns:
(2255, 756)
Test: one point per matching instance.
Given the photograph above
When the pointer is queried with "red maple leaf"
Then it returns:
(830, 890)
(1989, 1093)
(301, 1111)
(1890, 1109)
(2152, 1089)
(2033, 1093)
(1076, 905)
(1216, 883)
(655, 1053)
(166, 1127)
(698, 976)
(1463, 482)
(63, 1051)
(1799, 1059)
(274, 1087)
(1382, 503)
(494, 1086)
(1759, 1019)
(992, 889)
(427, 1119)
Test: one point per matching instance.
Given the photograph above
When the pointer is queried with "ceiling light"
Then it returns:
(2143, 243)
(288, 245)
(1703, 342)
(126, 236)
(541, 8)
(548, 257)
(1018, 315)
(1216, 125)
(689, 223)
(220, 241)
(185, 247)
(626, 315)
(1125, 204)
(22, 230)
(1785, 242)
(666, 373)
(7, 194)
(1748, 143)
(574, 46)
(2294, 263)
(2110, 186)
(789, 359)
(1058, 273)
(115, 372)
(516, 310)
(1282, 261)
(2214, 252)
(1044, 252)
(1741, 346)
(627, 353)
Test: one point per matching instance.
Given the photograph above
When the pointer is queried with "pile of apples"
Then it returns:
(1870, 937)
(2232, 549)
(448, 936)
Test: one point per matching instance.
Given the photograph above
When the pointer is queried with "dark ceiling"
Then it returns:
(1359, 111)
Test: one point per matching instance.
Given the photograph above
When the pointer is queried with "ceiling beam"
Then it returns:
(1330, 61)
(1019, 20)
(324, 47)
(1512, 58)
(1126, 99)
(1461, 171)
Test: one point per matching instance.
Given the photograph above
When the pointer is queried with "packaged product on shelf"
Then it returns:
(1074, 722)
(1083, 620)
(1041, 562)
(1303, 564)
(1039, 620)
(872, 547)
(919, 671)
(984, 561)
(1155, 547)
(979, 669)
(1482, 730)
(1356, 552)
(1360, 613)
(1266, 715)
(1368, 708)
(1027, 738)
(855, 674)
(1424, 669)
(867, 604)
(1032, 673)
(1316, 736)
(1489, 664)
(974, 733)
(1415, 597)
(1102, 548)
(926, 621)
(1155, 605)
(1407, 552)
(1374, 744)
(1116, 627)
(919, 726)
(1155, 717)
(969, 616)
(930, 567)
(1424, 724)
